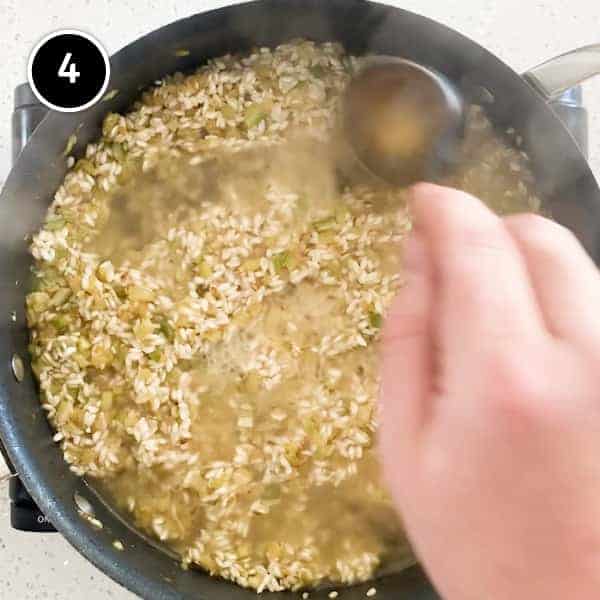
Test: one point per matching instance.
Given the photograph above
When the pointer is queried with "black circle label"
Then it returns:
(69, 70)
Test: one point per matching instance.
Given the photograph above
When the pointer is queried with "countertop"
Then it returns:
(522, 33)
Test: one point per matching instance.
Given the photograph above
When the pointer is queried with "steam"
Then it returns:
(144, 208)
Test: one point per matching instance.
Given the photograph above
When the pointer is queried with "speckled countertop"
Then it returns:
(521, 32)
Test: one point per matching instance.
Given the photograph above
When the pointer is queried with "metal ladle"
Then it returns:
(405, 122)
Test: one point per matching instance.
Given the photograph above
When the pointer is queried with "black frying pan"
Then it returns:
(569, 190)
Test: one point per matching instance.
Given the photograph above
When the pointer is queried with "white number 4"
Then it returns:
(72, 73)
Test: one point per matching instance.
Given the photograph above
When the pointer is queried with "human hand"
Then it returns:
(490, 431)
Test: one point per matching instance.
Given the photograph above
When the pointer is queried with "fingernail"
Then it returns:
(414, 253)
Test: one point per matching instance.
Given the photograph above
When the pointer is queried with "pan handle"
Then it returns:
(558, 82)
(564, 72)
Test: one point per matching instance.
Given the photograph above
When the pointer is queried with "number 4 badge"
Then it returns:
(69, 70)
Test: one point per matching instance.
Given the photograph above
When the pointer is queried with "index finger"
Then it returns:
(485, 295)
